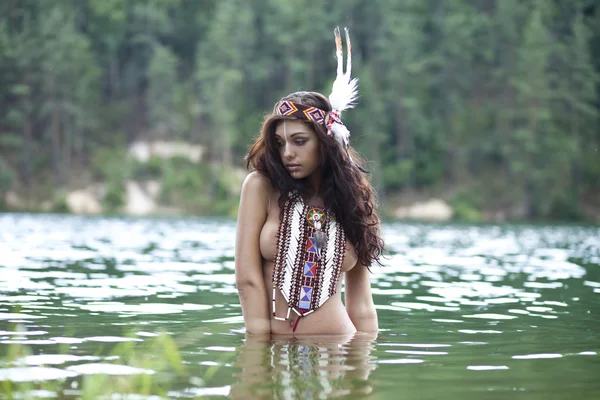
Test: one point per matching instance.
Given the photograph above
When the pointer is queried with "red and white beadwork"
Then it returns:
(306, 274)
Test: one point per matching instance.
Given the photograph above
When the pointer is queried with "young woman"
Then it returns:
(306, 220)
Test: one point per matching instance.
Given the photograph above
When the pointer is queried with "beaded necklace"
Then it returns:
(309, 257)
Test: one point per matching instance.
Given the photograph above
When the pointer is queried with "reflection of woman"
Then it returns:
(306, 219)
(306, 367)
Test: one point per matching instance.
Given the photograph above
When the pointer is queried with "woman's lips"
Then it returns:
(293, 167)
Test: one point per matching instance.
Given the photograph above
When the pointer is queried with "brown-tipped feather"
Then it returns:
(338, 51)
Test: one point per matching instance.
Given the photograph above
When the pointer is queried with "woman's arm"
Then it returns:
(359, 300)
(252, 215)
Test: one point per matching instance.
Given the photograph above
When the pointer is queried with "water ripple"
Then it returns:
(483, 308)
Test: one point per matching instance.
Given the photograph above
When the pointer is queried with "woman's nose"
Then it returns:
(287, 151)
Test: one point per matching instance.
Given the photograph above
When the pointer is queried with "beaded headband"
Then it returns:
(287, 108)
(343, 96)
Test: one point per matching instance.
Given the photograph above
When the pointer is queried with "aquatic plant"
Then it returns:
(144, 368)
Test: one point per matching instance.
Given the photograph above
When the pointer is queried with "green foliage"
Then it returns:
(110, 163)
(6, 179)
(195, 188)
(11, 141)
(397, 175)
(182, 181)
(465, 209)
(60, 202)
(566, 207)
(448, 89)
(225, 189)
(152, 169)
(114, 198)
(199, 188)
(159, 356)
(113, 167)
(162, 78)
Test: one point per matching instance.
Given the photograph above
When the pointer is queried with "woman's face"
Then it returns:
(298, 146)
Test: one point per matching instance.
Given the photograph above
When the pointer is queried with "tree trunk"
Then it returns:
(404, 139)
(55, 136)
(78, 144)
(529, 184)
(27, 130)
(224, 125)
(27, 137)
(67, 150)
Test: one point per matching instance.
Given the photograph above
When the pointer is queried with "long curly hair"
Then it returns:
(347, 191)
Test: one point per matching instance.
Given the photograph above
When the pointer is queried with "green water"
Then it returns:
(465, 312)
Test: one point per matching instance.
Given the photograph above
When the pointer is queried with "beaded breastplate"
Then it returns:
(308, 262)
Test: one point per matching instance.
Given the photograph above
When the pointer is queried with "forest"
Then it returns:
(492, 105)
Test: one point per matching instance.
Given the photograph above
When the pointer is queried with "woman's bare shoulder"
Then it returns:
(255, 197)
(257, 190)
(257, 184)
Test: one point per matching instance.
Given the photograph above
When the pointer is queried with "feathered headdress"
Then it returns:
(344, 92)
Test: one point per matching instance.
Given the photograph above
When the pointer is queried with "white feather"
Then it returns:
(344, 92)
(330, 257)
(341, 134)
(331, 245)
(292, 250)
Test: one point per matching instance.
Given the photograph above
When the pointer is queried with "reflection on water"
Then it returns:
(304, 367)
(464, 311)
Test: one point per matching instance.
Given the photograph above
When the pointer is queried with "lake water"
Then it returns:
(465, 312)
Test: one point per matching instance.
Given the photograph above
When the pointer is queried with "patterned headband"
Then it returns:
(343, 96)
(287, 108)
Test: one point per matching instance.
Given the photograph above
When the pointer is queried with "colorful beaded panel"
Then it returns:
(310, 253)
(289, 109)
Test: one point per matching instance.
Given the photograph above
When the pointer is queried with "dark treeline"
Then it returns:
(493, 102)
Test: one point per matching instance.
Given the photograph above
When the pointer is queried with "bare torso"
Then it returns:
(331, 317)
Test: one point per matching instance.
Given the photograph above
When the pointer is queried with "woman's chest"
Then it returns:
(268, 244)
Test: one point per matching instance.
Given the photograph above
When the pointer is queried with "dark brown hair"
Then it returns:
(347, 191)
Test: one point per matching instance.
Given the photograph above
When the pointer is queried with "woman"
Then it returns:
(306, 220)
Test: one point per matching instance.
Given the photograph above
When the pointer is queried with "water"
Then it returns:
(464, 312)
